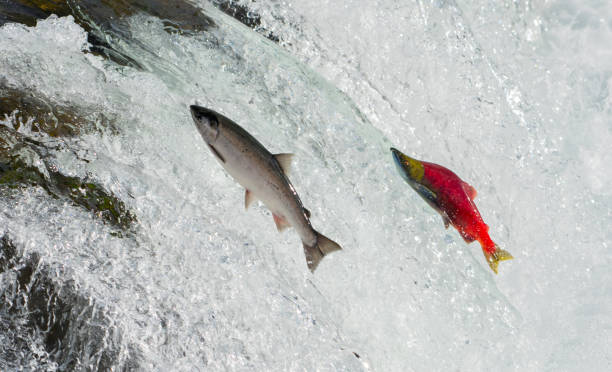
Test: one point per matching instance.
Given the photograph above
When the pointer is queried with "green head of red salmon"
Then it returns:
(413, 172)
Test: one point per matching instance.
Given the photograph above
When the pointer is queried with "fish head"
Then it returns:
(413, 172)
(411, 169)
(207, 122)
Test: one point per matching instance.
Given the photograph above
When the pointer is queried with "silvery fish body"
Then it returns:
(264, 176)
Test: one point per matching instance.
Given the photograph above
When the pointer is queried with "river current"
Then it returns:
(124, 245)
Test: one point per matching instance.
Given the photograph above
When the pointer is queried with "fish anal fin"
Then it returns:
(284, 160)
(446, 222)
(471, 191)
(249, 198)
(281, 222)
(466, 237)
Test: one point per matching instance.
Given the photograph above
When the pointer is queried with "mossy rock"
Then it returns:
(21, 165)
(92, 197)
(56, 120)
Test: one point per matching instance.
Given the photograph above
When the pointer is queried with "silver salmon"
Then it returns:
(264, 176)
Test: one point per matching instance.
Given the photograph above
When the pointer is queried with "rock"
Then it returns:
(54, 120)
(23, 163)
(41, 309)
(104, 20)
(245, 16)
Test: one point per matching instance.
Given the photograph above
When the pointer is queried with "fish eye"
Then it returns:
(207, 122)
(208, 118)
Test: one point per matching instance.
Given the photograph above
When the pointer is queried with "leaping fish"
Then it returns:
(264, 176)
(453, 198)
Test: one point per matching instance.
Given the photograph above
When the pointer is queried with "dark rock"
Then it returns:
(103, 20)
(239, 12)
(178, 14)
(40, 309)
(8, 254)
(53, 119)
(245, 16)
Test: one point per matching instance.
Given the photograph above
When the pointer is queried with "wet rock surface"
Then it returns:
(24, 162)
(104, 20)
(49, 321)
(52, 119)
(177, 15)
(245, 16)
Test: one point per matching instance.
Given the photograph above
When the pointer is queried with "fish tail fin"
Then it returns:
(322, 247)
(498, 255)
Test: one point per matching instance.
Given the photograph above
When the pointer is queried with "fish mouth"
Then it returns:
(396, 155)
(198, 112)
(397, 159)
(207, 122)
(194, 109)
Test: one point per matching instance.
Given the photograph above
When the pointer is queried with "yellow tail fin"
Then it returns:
(494, 258)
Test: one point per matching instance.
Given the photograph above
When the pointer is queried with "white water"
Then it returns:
(514, 97)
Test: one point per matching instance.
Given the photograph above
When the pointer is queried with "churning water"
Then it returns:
(514, 96)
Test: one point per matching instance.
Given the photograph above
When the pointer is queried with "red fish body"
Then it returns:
(453, 198)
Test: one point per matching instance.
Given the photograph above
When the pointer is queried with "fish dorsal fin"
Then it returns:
(284, 160)
(469, 190)
(249, 198)
(307, 212)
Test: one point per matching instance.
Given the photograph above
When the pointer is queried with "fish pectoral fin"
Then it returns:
(426, 193)
(446, 222)
(470, 190)
(249, 198)
(281, 222)
(214, 151)
(284, 160)
(307, 212)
